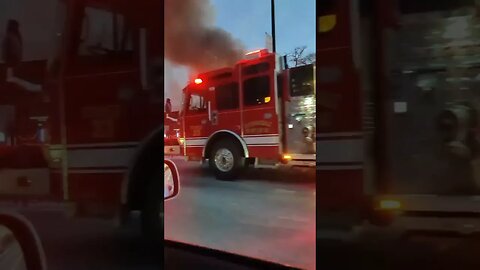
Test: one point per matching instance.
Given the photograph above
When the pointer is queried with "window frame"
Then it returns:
(300, 70)
(188, 111)
(79, 64)
(236, 96)
(244, 88)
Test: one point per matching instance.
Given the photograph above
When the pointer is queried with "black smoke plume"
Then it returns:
(192, 39)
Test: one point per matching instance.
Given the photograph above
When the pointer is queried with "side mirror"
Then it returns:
(171, 180)
(20, 247)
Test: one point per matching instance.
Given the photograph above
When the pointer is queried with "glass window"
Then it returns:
(104, 32)
(197, 103)
(227, 96)
(280, 87)
(256, 91)
(301, 81)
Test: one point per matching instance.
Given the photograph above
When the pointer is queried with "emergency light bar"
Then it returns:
(256, 54)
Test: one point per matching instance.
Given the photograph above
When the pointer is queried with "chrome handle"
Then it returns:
(209, 112)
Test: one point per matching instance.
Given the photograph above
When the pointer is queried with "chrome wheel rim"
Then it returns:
(224, 160)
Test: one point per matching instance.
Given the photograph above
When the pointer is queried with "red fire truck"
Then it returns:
(252, 113)
(397, 134)
(99, 64)
(172, 133)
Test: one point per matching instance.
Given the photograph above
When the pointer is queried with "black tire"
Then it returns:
(152, 224)
(238, 160)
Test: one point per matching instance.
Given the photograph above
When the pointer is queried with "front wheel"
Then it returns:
(226, 160)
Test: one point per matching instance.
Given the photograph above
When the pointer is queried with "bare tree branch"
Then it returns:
(297, 57)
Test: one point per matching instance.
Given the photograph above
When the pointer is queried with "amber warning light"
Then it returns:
(390, 204)
(198, 81)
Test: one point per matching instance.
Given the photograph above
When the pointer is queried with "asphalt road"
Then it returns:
(266, 214)
(416, 252)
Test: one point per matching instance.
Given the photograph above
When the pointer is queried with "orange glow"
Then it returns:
(390, 205)
(287, 157)
(198, 81)
(267, 99)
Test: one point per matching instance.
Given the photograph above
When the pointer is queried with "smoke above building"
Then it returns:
(193, 40)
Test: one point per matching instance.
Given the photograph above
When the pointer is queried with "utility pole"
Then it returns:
(273, 25)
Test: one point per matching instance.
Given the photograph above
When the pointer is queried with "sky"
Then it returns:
(248, 21)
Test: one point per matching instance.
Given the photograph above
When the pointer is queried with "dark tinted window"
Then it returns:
(301, 81)
(255, 69)
(280, 79)
(256, 91)
(227, 96)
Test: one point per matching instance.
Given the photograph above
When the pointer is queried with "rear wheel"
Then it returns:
(226, 160)
(152, 212)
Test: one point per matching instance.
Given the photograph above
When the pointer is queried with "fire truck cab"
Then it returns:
(98, 67)
(254, 113)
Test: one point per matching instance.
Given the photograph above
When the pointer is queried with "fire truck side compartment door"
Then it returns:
(260, 119)
(225, 105)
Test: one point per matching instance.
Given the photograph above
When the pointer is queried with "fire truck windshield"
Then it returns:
(197, 103)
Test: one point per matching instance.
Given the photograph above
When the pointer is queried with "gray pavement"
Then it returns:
(267, 214)
(416, 252)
